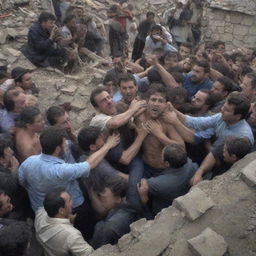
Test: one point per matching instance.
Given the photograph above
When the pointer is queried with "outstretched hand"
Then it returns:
(113, 140)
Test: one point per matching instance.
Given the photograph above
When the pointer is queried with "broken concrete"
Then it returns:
(248, 174)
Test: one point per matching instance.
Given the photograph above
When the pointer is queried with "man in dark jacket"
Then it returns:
(42, 48)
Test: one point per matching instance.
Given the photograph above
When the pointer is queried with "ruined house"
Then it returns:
(231, 21)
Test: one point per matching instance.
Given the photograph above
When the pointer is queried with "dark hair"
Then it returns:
(179, 78)
(216, 44)
(252, 76)
(53, 113)
(45, 16)
(168, 54)
(158, 88)
(8, 98)
(14, 239)
(53, 202)
(3, 72)
(237, 146)
(203, 64)
(228, 84)
(150, 14)
(210, 100)
(87, 136)
(241, 103)
(109, 78)
(125, 78)
(187, 45)
(99, 180)
(27, 116)
(51, 138)
(175, 155)
(8, 183)
(154, 76)
(5, 142)
(156, 27)
(94, 93)
(69, 18)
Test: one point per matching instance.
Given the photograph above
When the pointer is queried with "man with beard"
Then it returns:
(221, 88)
(160, 132)
(198, 78)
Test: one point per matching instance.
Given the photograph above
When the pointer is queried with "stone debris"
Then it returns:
(248, 174)
(194, 204)
(208, 243)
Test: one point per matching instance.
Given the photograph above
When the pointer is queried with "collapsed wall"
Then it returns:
(233, 22)
(215, 218)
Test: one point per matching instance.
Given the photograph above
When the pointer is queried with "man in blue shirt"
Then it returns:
(198, 78)
(47, 171)
(230, 122)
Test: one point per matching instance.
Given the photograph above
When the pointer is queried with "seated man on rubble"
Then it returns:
(43, 47)
(172, 182)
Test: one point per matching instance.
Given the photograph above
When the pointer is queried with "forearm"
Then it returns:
(207, 164)
(120, 119)
(214, 74)
(165, 140)
(186, 133)
(132, 151)
(166, 76)
(95, 158)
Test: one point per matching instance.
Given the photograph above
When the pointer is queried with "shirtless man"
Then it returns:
(160, 133)
(31, 123)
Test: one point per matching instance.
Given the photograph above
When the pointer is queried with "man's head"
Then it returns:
(252, 118)
(236, 148)
(250, 53)
(119, 63)
(58, 204)
(235, 108)
(174, 156)
(202, 101)
(170, 59)
(47, 21)
(188, 63)
(128, 88)
(6, 152)
(22, 78)
(5, 204)
(185, 50)
(102, 101)
(90, 138)
(200, 71)
(70, 21)
(157, 101)
(249, 85)
(53, 140)
(156, 30)
(150, 16)
(222, 87)
(110, 83)
(219, 46)
(15, 239)
(32, 119)
(58, 117)
(14, 100)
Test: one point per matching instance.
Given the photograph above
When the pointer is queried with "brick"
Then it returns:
(194, 204)
(208, 243)
(248, 174)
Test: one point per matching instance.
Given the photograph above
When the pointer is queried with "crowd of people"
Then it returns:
(172, 112)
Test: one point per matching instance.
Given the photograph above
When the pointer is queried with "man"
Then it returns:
(160, 132)
(143, 30)
(107, 117)
(201, 102)
(5, 204)
(22, 78)
(221, 88)
(54, 229)
(185, 50)
(222, 157)
(14, 102)
(42, 36)
(248, 86)
(172, 182)
(41, 173)
(198, 78)
(128, 90)
(157, 39)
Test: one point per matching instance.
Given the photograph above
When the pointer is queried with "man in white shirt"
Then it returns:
(54, 230)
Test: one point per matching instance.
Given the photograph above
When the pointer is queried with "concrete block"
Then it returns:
(194, 204)
(208, 243)
(124, 242)
(137, 227)
(248, 174)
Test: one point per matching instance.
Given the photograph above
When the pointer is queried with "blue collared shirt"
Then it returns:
(42, 173)
(206, 127)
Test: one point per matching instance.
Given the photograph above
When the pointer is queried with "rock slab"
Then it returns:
(194, 204)
(248, 174)
(208, 243)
